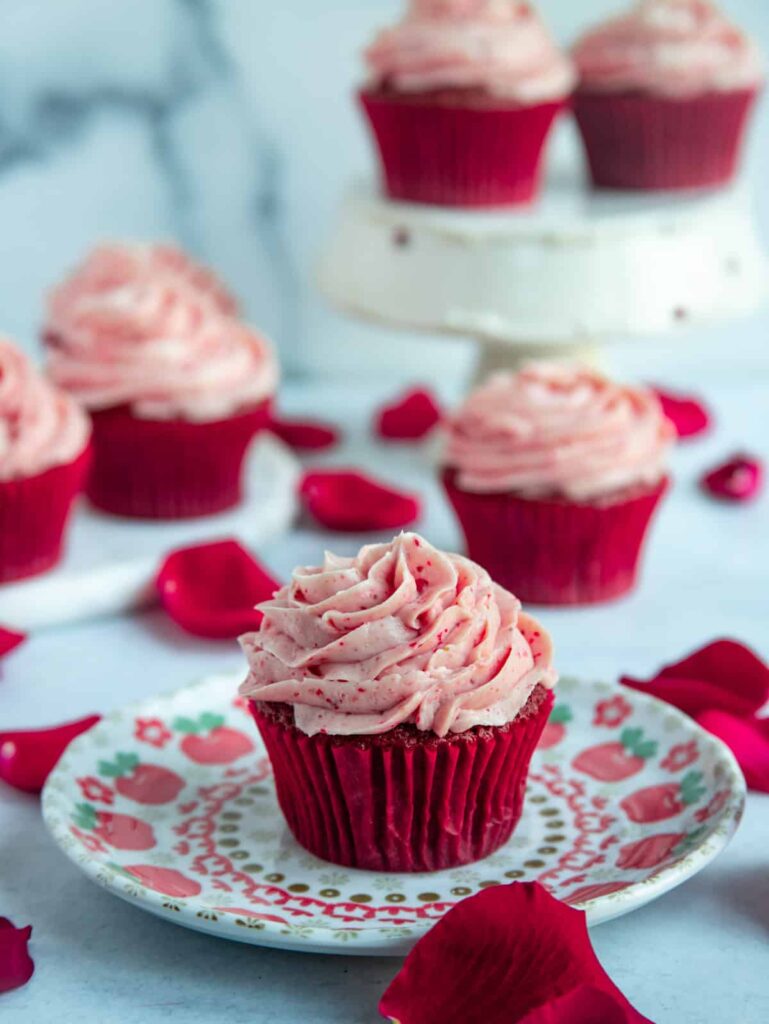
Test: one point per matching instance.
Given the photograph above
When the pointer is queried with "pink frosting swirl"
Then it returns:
(501, 46)
(40, 427)
(401, 633)
(557, 429)
(676, 48)
(144, 326)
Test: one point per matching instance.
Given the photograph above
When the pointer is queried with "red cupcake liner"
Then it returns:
(554, 551)
(169, 469)
(404, 800)
(634, 141)
(33, 517)
(476, 154)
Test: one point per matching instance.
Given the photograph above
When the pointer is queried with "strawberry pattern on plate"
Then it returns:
(170, 804)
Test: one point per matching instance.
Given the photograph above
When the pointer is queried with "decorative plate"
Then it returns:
(170, 804)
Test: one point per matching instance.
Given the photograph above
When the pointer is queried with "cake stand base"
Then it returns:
(579, 265)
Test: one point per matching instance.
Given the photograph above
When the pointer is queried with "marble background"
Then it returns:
(229, 125)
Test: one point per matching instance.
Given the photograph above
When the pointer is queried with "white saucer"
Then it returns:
(627, 798)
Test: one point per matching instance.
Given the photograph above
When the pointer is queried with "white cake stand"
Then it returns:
(567, 276)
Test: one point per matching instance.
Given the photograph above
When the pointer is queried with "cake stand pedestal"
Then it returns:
(563, 278)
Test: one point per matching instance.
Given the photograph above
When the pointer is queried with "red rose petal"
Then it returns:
(211, 590)
(411, 417)
(511, 953)
(28, 756)
(748, 739)
(583, 1005)
(724, 675)
(305, 435)
(16, 965)
(738, 479)
(349, 501)
(688, 414)
(9, 640)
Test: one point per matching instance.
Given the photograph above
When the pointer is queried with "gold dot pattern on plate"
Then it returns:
(274, 877)
(329, 893)
(428, 897)
(360, 897)
(298, 887)
(395, 897)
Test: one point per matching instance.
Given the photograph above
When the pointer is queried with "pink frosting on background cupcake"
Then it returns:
(556, 429)
(146, 327)
(401, 633)
(40, 427)
(501, 46)
(669, 47)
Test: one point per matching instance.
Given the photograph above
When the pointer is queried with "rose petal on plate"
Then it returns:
(212, 590)
(511, 953)
(350, 501)
(10, 640)
(724, 675)
(27, 756)
(689, 415)
(748, 740)
(305, 435)
(410, 418)
(16, 965)
(740, 478)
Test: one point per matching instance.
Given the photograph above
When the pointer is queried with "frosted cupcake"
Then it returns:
(400, 694)
(665, 96)
(461, 96)
(177, 387)
(555, 473)
(43, 462)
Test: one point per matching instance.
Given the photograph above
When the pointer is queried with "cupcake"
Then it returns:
(461, 96)
(665, 96)
(177, 387)
(554, 473)
(400, 695)
(44, 451)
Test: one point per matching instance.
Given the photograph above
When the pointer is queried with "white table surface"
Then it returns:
(697, 955)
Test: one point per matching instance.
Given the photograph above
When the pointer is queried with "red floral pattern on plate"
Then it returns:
(680, 756)
(612, 713)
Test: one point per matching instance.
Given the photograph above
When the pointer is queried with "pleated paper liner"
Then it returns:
(33, 518)
(404, 800)
(170, 469)
(452, 154)
(555, 551)
(637, 141)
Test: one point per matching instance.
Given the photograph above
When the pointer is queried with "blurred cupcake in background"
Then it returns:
(177, 387)
(44, 452)
(461, 96)
(400, 694)
(665, 95)
(555, 473)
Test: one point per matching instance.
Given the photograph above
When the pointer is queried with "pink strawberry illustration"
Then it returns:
(221, 745)
(166, 880)
(592, 892)
(653, 850)
(656, 803)
(118, 830)
(555, 730)
(613, 762)
(144, 783)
